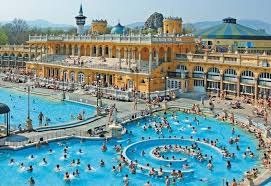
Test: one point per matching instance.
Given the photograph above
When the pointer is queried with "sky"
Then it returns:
(130, 11)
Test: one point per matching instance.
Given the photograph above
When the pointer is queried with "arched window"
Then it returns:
(213, 71)
(181, 68)
(65, 76)
(247, 74)
(265, 79)
(72, 76)
(247, 77)
(265, 76)
(81, 78)
(198, 72)
(198, 69)
(230, 72)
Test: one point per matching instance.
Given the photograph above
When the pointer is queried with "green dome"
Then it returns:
(118, 29)
(229, 29)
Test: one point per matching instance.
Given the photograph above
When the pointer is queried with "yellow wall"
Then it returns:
(172, 26)
(99, 27)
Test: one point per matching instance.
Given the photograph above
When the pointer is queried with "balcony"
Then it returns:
(214, 77)
(198, 75)
(248, 81)
(182, 75)
(115, 38)
(230, 79)
(265, 83)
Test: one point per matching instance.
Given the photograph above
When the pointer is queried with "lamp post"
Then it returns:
(28, 119)
(98, 93)
(63, 86)
(165, 78)
(149, 91)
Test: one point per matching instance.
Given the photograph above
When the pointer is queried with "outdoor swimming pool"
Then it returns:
(58, 111)
(132, 149)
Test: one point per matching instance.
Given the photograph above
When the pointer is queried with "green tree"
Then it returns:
(17, 31)
(3, 37)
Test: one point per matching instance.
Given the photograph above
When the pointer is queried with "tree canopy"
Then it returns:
(17, 32)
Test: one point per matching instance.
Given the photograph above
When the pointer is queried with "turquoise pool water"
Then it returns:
(133, 147)
(58, 111)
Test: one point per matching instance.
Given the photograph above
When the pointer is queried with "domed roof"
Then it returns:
(4, 108)
(118, 29)
(229, 29)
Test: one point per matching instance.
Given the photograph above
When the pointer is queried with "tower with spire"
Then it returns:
(80, 21)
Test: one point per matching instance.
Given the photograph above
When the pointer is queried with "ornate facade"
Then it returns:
(125, 61)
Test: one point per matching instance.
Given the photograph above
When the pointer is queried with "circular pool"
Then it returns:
(142, 136)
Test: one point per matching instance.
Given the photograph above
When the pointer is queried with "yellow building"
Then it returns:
(15, 56)
(172, 25)
(130, 62)
(98, 26)
(234, 74)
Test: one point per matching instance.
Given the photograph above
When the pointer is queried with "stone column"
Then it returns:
(29, 58)
(97, 51)
(256, 89)
(41, 51)
(139, 60)
(79, 50)
(221, 58)
(157, 58)
(205, 57)
(165, 56)
(90, 50)
(205, 81)
(73, 50)
(46, 53)
(119, 56)
(150, 61)
(134, 54)
(110, 52)
(36, 53)
(61, 49)
(126, 55)
(15, 61)
(103, 51)
(67, 50)
(129, 58)
(221, 82)
(85, 52)
(238, 86)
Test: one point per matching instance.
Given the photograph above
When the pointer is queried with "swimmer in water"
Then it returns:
(30, 168)
(67, 177)
(57, 169)
(102, 164)
(104, 148)
(89, 167)
(44, 162)
(210, 165)
(31, 181)
(21, 165)
(11, 161)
